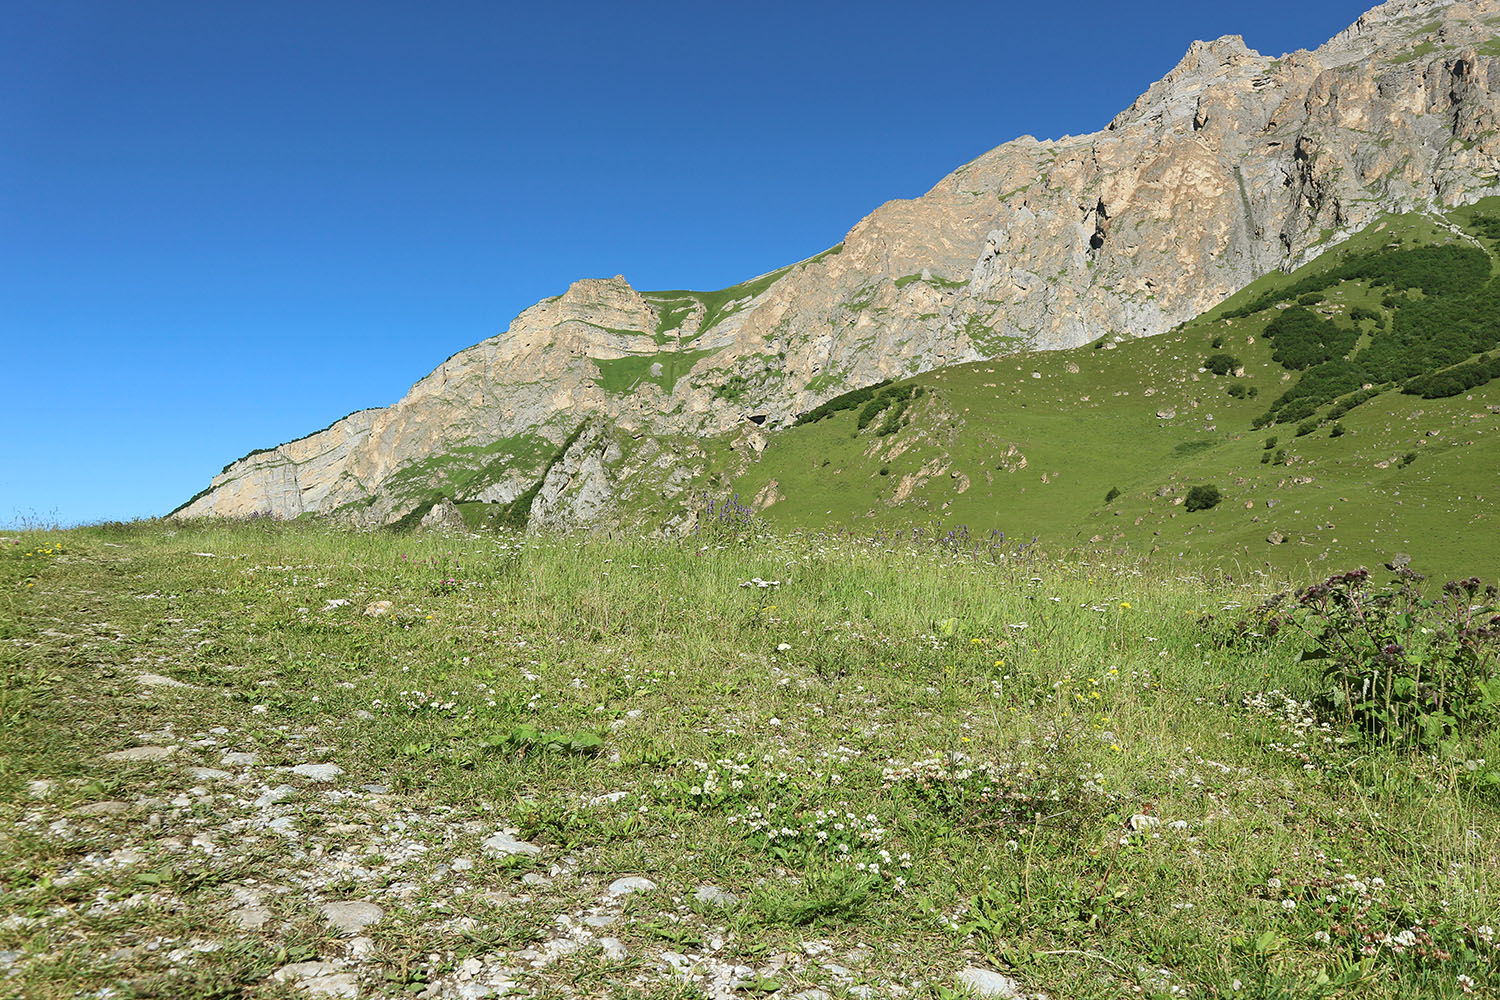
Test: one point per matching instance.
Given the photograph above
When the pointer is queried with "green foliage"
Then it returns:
(846, 401)
(1456, 380)
(733, 388)
(1222, 364)
(1303, 338)
(1202, 497)
(1403, 668)
(1109, 497)
(527, 737)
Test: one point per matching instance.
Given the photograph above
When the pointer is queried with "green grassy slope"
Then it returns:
(1031, 444)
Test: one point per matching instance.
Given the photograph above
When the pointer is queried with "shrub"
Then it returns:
(1203, 497)
(1221, 364)
(1400, 668)
(1271, 442)
(1307, 427)
(1337, 430)
(1218, 342)
(1109, 497)
(1237, 391)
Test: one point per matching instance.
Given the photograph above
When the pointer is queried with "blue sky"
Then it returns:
(223, 225)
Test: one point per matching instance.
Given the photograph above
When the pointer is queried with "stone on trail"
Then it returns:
(250, 918)
(321, 979)
(240, 759)
(208, 774)
(988, 983)
(111, 807)
(634, 883)
(318, 772)
(503, 845)
(352, 916)
(714, 896)
(138, 754)
(157, 680)
(614, 949)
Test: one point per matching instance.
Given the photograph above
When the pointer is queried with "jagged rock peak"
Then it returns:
(1175, 95)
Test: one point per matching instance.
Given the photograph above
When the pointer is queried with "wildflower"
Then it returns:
(1125, 605)
(1289, 905)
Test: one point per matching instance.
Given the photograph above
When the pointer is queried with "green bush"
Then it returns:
(1221, 364)
(1109, 497)
(1203, 497)
(1404, 669)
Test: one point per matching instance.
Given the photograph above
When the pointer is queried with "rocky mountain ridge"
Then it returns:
(1234, 164)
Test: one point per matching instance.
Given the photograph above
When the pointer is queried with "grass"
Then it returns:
(993, 447)
(900, 756)
(625, 374)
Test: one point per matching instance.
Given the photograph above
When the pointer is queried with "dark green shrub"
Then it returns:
(1337, 431)
(1271, 442)
(1203, 497)
(1109, 497)
(1237, 391)
(1310, 299)
(1307, 427)
(1400, 668)
(1218, 342)
(1221, 364)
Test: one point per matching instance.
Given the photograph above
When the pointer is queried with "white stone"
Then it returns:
(352, 916)
(714, 896)
(614, 949)
(139, 754)
(988, 983)
(318, 772)
(240, 759)
(1140, 821)
(157, 680)
(503, 845)
(633, 883)
(208, 774)
(250, 918)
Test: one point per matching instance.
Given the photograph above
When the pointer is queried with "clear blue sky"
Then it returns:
(226, 224)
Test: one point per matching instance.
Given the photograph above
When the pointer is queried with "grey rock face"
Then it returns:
(1232, 165)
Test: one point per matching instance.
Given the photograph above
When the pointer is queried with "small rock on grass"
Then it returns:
(377, 608)
(208, 774)
(988, 983)
(503, 845)
(158, 680)
(714, 896)
(352, 916)
(240, 759)
(634, 883)
(138, 754)
(112, 807)
(614, 949)
(317, 772)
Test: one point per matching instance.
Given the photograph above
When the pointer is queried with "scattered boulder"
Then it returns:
(443, 516)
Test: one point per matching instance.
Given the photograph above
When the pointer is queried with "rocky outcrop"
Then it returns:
(1230, 166)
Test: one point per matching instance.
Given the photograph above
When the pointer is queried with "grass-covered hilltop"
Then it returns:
(283, 760)
(1345, 414)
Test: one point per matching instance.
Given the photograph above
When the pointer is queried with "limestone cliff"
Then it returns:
(1230, 166)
